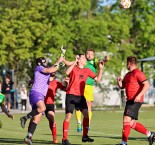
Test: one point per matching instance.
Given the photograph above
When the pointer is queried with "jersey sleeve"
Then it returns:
(91, 74)
(60, 85)
(140, 76)
(40, 68)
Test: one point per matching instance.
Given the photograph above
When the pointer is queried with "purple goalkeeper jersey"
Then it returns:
(41, 81)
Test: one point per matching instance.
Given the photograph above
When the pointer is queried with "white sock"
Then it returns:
(149, 133)
(124, 143)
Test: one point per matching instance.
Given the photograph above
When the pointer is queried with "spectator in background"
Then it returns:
(6, 90)
(23, 93)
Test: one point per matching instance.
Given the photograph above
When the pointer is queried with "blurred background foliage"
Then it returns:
(29, 29)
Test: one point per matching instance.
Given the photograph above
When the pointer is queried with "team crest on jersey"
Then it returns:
(81, 76)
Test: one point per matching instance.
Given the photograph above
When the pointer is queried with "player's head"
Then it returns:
(82, 59)
(41, 61)
(52, 76)
(131, 62)
(90, 54)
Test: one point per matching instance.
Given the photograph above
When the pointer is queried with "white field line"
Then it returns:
(94, 132)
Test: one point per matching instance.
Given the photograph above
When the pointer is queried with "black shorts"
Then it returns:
(132, 109)
(75, 102)
(49, 107)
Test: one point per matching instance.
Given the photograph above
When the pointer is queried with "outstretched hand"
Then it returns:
(107, 58)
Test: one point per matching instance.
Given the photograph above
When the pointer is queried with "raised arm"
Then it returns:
(68, 71)
(99, 76)
(54, 68)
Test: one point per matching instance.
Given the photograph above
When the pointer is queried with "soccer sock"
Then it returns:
(53, 129)
(125, 131)
(78, 116)
(31, 129)
(65, 130)
(90, 115)
(85, 126)
(140, 128)
(33, 113)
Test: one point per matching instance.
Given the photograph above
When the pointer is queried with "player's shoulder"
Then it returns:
(137, 71)
(39, 68)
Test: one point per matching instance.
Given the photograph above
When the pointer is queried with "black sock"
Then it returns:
(31, 128)
(33, 113)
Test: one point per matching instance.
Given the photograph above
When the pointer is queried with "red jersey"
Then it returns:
(52, 88)
(78, 79)
(133, 83)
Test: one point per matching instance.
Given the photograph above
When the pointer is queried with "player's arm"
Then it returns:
(120, 83)
(144, 89)
(54, 68)
(100, 71)
(68, 71)
(68, 63)
(107, 58)
(6, 112)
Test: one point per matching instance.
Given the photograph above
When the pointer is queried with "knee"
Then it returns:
(42, 109)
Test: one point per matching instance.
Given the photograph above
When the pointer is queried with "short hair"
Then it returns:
(39, 60)
(132, 59)
(89, 49)
(80, 54)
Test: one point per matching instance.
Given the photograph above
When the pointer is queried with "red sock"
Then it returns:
(65, 130)
(125, 131)
(140, 128)
(53, 129)
(85, 126)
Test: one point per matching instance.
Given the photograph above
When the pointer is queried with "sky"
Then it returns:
(107, 2)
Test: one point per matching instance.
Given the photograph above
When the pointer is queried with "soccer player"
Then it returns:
(49, 102)
(135, 84)
(75, 95)
(92, 64)
(37, 94)
(2, 99)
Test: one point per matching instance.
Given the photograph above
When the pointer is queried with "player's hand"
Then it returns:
(137, 99)
(101, 65)
(11, 116)
(119, 79)
(107, 58)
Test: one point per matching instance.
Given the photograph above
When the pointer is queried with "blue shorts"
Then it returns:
(35, 97)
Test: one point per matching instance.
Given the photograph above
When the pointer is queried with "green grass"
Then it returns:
(106, 127)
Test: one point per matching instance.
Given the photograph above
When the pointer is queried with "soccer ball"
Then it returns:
(125, 4)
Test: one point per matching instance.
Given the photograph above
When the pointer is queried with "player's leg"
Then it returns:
(50, 113)
(84, 109)
(70, 105)
(89, 104)
(85, 137)
(9, 102)
(78, 117)
(138, 126)
(32, 127)
(89, 95)
(126, 129)
(38, 105)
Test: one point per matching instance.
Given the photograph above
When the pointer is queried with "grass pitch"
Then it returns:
(106, 127)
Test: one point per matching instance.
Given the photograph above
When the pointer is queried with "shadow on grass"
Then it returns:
(12, 141)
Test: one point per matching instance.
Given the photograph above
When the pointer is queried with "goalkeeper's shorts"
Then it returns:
(89, 93)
